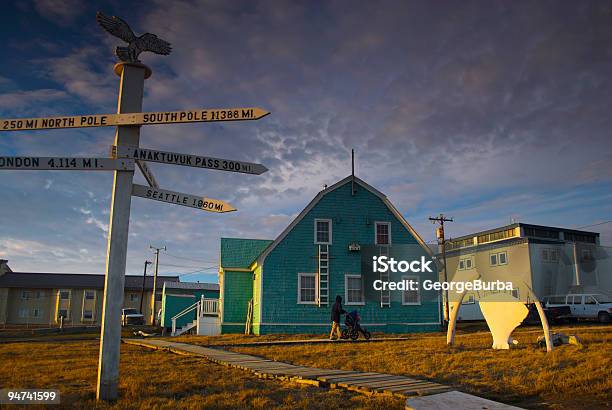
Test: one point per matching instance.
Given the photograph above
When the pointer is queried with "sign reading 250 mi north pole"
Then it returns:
(140, 118)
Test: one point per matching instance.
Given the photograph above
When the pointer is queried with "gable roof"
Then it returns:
(326, 191)
(241, 253)
(41, 280)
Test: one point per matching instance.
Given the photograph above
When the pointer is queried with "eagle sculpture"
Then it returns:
(136, 45)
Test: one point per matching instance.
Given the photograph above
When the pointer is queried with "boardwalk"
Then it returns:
(363, 382)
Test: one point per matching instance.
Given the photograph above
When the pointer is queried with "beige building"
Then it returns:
(545, 259)
(42, 298)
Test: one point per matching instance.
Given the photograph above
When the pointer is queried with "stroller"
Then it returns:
(353, 328)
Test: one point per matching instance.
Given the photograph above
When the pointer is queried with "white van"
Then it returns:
(584, 305)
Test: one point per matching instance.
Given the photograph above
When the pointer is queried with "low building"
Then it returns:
(547, 260)
(180, 305)
(31, 298)
(288, 285)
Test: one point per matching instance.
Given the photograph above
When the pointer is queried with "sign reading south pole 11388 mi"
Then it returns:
(139, 118)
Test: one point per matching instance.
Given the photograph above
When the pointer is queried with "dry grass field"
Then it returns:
(155, 379)
(571, 377)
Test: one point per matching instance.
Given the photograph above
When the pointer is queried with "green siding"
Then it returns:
(176, 300)
(240, 253)
(237, 291)
(353, 220)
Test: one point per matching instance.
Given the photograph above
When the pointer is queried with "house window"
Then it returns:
(500, 258)
(545, 257)
(64, 294)
(26, 295)
(88, 315)
(62, 313)
(40, 294)
(134, 297)
(383, 233)
(307, 288)
(411, 297)
(353, 290)
(469, 300)
(466, 263)
(23, 312)
(554, 255)
(35, 312)
(516, 293)
(323, 231)
(90, 295)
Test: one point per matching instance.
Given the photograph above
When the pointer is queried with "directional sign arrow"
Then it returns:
(173, 158)
(178, 198)
(139, 118)
(58, 163)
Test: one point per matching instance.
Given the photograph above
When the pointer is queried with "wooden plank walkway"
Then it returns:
(315, 341)
(363, 382)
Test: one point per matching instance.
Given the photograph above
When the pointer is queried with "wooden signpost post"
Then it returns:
(125, 154)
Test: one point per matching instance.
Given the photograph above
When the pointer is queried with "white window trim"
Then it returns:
(505, 253)
(329, 222)
(347, 276)
(461, 262)
(496, 259)
(418, 303)
(376, 223)
(299, 288)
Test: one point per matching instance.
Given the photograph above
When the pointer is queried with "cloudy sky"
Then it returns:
(488, 111)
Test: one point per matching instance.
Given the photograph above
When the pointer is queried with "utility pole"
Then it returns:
(144, 278)
(442, 242)
(155, 281)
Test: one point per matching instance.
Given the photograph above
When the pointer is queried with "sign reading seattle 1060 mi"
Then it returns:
(140, 118)
(178, 198)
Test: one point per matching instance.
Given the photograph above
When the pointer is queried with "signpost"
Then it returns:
(59, 163)
(178, 198)
(173, 158)
(147, 174)
(128, 120)
(137, 118)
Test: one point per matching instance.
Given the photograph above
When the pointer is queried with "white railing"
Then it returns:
(209, 306)
(205, 306)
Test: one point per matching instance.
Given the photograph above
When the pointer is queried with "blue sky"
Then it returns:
(488, 111)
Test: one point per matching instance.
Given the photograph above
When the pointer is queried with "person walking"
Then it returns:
(336, 312)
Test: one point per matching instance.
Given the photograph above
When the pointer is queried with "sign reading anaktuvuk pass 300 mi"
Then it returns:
(139, 118)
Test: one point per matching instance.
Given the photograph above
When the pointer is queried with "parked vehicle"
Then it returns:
(131, 317)
(554, 314)
(584, 305)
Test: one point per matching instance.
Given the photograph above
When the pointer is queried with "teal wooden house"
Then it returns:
(288, 285)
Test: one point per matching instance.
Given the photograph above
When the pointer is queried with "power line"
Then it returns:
(186, 258)
(597, 224)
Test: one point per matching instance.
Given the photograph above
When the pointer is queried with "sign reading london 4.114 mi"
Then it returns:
(139, 118)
